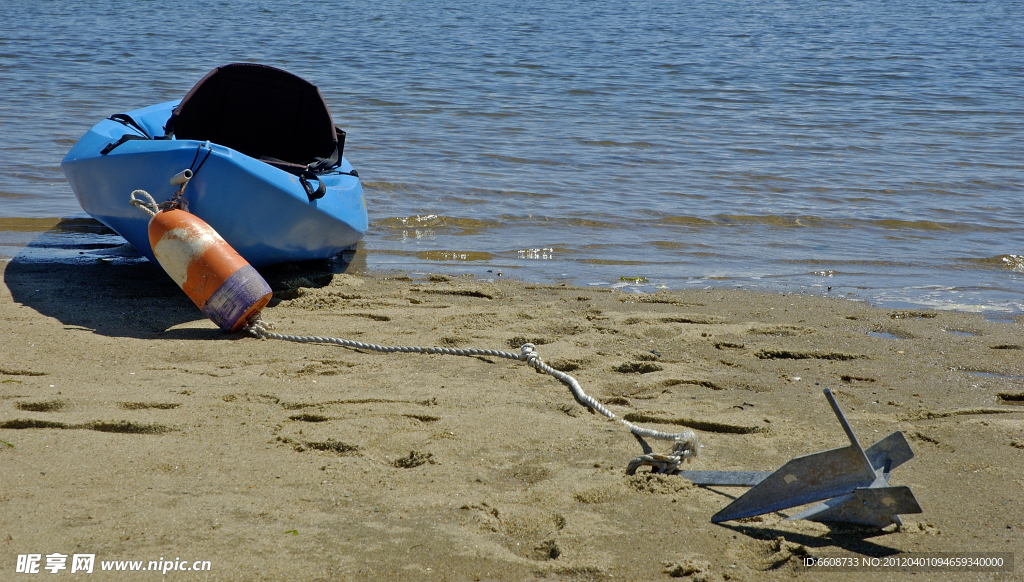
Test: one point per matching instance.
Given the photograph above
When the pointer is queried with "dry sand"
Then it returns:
(133, 429)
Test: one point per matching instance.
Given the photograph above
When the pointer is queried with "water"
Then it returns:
(863, 149)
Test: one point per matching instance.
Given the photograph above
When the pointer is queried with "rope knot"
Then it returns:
(687, 445)
(684, 450)
(528, 353)
(257, 326)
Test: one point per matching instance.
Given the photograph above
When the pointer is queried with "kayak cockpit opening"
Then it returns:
(263, 112)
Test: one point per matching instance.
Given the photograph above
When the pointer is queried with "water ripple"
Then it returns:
(740, 137)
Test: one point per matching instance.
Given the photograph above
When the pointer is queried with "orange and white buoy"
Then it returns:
(215, 277)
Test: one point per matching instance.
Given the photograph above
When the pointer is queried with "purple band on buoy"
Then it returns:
(242, 290)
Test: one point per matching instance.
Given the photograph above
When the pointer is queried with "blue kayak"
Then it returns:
(258, 141)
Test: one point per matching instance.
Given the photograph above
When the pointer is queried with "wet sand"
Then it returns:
(133, 429)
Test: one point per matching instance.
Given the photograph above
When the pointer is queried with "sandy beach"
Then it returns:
(133, 429)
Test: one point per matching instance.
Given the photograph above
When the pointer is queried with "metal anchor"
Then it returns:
(851, 483)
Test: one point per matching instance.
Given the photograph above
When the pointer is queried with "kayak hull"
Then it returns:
(263, 212)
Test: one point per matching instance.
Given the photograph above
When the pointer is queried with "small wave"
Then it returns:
(1013, 262)
(687, 195)
(467, 201)
(783, 221)
(491, 114)
(618, 144)
(454, 256)
(770, 220)
(524, 193)
(669, 244)
(928, 225)
(590, 223)
(611, 262)
(381, 103)
(516, 160)
(687, 221)
(395, 252)
(550, 222)
(769, 177)
(35, 174)
(543, 254)
(387, 187)
(434, 221)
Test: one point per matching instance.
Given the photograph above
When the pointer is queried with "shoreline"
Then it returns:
(82, 238)
(138, 430)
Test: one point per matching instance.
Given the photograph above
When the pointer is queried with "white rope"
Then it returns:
(685, 448)
(144, 202)
(667, 464)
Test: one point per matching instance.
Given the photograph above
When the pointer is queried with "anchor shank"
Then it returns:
(854, 443)
(842, 418)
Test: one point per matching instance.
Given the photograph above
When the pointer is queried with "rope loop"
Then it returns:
(144, 202)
